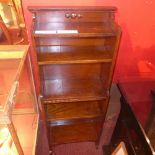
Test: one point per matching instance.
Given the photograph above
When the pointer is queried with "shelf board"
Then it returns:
(89, 34)
(50, 29)
(72, 90)
(72, 55)
(71, 111)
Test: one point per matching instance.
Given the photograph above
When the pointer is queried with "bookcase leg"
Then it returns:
(97, 145)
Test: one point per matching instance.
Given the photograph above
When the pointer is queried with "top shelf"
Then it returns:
(75, 29)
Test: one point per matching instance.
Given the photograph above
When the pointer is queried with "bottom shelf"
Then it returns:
(75, 133)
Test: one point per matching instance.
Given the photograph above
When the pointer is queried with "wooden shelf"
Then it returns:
(103, 29)
(70, 111)
(72, 90)
(73, 55)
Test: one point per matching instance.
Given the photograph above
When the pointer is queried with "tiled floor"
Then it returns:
(86, 148)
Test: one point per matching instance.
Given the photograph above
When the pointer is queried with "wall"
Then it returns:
(136, 56)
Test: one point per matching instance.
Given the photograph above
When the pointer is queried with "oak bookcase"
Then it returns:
(76, 52)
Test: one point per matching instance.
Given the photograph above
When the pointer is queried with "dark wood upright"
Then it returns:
(75, 69)
(150, 125)
(128, 129)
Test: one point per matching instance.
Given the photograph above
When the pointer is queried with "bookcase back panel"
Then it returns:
(76, 71)
(75, 41)
(69, 111)
(71, 71)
